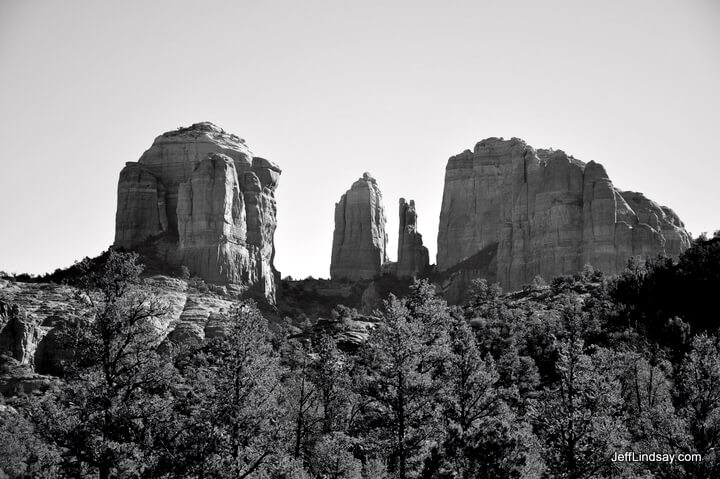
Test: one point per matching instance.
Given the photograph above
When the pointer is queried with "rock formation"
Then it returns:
(19, 335)
(359, 241)
(202, 191)
(542, 212)
(32, 316)
(413, 257)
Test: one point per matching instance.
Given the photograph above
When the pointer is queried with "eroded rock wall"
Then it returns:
(202, 190)
(19, 335)
(359, 241)
(548, 212)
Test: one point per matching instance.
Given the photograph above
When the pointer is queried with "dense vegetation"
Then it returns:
(552, 381)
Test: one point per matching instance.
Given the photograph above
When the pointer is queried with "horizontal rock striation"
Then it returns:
(548, 214)
(359, 241)
(32, 316)
(413, 257)
(203, 189)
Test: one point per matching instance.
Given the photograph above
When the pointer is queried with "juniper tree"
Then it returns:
(117, 389)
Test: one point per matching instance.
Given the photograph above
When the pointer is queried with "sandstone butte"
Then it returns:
(359, 246)
(510, 212)
(201, 194)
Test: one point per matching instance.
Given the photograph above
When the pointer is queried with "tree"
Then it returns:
(232, 413)
(22, 452)
(652, 419)
(329, 372)
(699, 397)
(116, 392)
(401, 361)
(332, 458)
(484, 437)
(580, 418)
(302, 401)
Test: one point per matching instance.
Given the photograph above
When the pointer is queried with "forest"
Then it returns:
(569, 378)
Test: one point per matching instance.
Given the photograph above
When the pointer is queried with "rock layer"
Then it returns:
(413, 257)
(203, 190)
(359, 241)
(548, 214)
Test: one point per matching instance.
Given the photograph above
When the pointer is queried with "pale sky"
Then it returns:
(330, 89)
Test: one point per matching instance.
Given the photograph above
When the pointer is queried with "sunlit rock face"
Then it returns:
(413, 257)
(359, 242)
(203, 188)
(547, 212)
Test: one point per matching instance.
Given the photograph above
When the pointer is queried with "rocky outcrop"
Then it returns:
(413, 257)
(359, 241)
(19, 334)
(545, 213)
(34, 315)
(202, 191)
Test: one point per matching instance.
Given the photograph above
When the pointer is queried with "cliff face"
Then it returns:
(359, 241)
(548, 214)
(204, 190)
(19, 335)
(413, 257)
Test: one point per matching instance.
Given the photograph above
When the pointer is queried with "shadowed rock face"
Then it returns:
(548, 213)
(413, 257)
(19, 335)
(204, 189)
(359, 241)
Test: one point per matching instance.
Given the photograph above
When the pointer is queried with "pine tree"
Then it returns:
(580, 417)
(401, 360)
(233, 415)
(116, 393)
(699, 397)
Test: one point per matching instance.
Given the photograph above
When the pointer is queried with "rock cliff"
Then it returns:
(19, 335)
(32, 314)
(359, 241)
(545, 213)
(202, 190)
(413, 257)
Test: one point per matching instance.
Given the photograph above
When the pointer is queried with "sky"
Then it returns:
(331, 89)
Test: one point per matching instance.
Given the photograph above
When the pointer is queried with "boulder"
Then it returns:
(359, 242)
(203, 192)
(547, 212)
(413, 257)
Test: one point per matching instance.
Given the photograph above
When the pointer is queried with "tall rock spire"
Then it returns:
(413, 257)
(359, 241)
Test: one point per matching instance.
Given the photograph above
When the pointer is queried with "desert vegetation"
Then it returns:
(549, 381)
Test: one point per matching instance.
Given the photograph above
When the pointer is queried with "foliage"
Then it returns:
(550, 381)
(580, 417)
(403, 356)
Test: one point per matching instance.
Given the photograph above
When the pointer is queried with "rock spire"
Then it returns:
(412, 255)
(359, 242)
